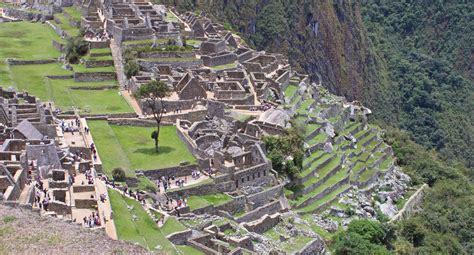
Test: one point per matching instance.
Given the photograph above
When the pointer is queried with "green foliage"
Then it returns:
(364, 237)
(76, 47)
(153, 89)
(446, 223)
(118, 174)
(429, 79)
(270, 25)
(286, 152)
(8, 219)
(131, 68)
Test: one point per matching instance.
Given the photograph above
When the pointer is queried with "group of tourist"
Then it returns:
(42, 198)
(69, 126)
(103, 36)
(89, 177)
(166, 182)
(94, 151)
(264, 107)
(93, 220)
(195, 174)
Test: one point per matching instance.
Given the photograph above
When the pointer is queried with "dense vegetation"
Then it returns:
(426, 50)
(286, 152)
(444, 226)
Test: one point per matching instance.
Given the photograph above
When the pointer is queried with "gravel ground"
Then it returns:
(25, 232)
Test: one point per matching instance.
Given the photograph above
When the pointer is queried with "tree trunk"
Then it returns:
(157, 137)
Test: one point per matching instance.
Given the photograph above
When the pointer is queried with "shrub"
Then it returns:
(118, 174)
(76, 47)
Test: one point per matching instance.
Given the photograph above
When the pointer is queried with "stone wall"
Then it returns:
(265, 223)
(193, 191)
(317, 246)
(58, 46)
(59, 208)
(83, 188)
(177, 171)
(269, 208)
(26, 15)
(167, 54)
(99, 44)
(413, 202)
(98, 63)
(218, 60)
(94, 77)
(85, 203)
(180, 238)
(261, 198)
(147, 65)
(12, 62)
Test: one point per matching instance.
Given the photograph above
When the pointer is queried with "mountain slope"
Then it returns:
(409, 61)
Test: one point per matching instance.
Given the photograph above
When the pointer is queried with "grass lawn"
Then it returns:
(132, 148)
(196, 202)
(24, 40)
(143, 230)
(32, 41)
(224, 67)
(32, 78)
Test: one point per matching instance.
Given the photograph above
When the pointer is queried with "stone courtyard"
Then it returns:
(213, 189)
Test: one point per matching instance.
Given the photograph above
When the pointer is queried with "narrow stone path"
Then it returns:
(117, 57)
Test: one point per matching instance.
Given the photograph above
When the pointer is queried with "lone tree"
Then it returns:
(153, 94)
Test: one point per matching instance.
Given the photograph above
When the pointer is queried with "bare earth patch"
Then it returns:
(25, 232)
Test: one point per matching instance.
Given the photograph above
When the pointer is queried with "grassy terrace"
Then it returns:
(32, 78)
(101, 50)
(32, 41)
(65, 26)
(290, 91)
(89, 58)
(311, 127)
(386, 163)
(146, 41)
(367, 138)
(313, 156)
(323, 172)
(325, 199)
(82, 69)
(87, 101)
(73, 12)
(132, 148)
(196, 202)
(170, 59)
(341, 174)
(22, 40)
(170, 17)
(304, 106)
(369, 172)
(320, 138)
(144, 230)
(224, 67)
(316, 163)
